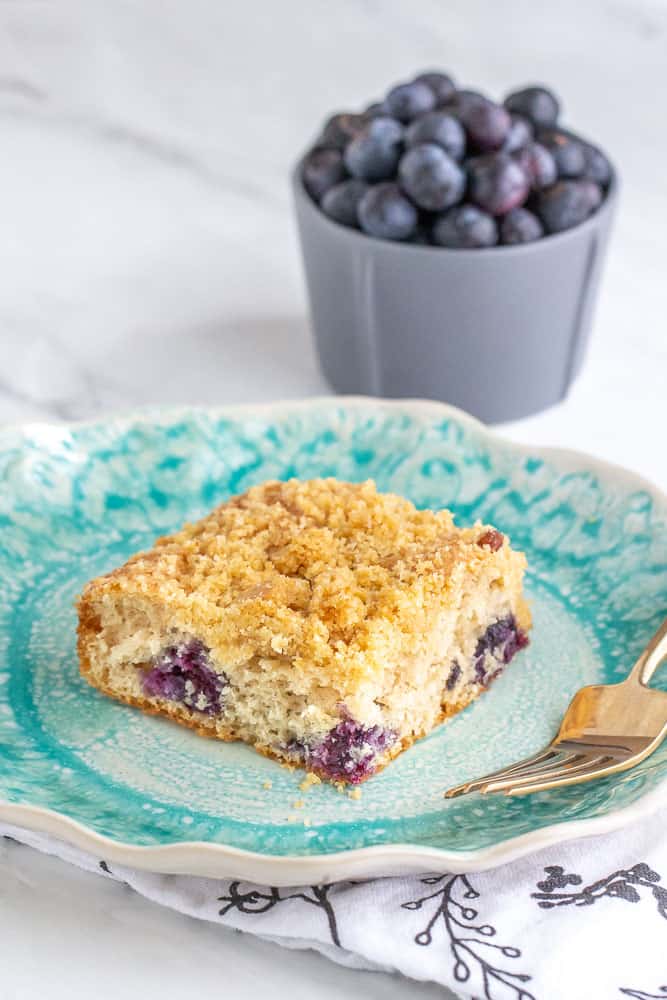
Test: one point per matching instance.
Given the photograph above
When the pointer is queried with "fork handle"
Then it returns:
(651, 658)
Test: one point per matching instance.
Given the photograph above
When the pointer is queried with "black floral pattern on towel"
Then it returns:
(254, 900)
(640, 995)
(468, 937)
(453, 907)
(626, 883)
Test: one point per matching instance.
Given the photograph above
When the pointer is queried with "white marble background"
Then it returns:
(148, 255)
(147, 250)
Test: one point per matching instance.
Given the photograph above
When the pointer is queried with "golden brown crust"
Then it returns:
(334, 577)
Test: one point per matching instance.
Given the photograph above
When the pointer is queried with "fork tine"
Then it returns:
(557, 764)
(599, 770)
(519, 765)
(573, 765)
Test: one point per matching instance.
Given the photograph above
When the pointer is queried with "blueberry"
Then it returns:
(453, 676)
(340, 202)
(520, 226)
(349, 752)
(374, 153)
(386, 213)
(463, 99)
(443, 86)
(593, 192)
(566, 204)
(502, 640)
(520, 134)
(566, 151)
(422, 234)
(431, 178)
(596, 165)
(497, 183)
(538, 164)
(339, 129)
(442, 129)
(408, 100)
(487, 125)
(465, 227)
(538, 104)
(378, 109)
(184, 673)
(322, 168)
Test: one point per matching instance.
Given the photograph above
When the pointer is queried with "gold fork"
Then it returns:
(607, 728)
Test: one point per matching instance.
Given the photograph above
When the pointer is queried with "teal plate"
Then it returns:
(77, 500)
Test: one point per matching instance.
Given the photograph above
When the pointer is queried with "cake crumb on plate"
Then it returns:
(309, 780)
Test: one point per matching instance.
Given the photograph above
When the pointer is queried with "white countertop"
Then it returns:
(148, 255)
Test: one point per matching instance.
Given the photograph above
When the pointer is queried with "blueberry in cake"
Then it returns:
(324, 623)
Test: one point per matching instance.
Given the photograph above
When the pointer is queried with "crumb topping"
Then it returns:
(322, 572)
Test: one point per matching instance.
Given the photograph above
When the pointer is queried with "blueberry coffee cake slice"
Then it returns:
(324, 623)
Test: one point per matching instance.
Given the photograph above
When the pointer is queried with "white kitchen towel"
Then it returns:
(582, 921)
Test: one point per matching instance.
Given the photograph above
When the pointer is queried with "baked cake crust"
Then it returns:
(323, 601)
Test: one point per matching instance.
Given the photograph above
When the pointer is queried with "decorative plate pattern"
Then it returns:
(76, 501)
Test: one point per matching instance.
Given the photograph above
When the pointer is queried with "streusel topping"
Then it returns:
(326, 573)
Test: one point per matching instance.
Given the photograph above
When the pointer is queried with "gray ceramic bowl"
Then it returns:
(499, 332)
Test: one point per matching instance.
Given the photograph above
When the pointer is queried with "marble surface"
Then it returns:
(148, 255)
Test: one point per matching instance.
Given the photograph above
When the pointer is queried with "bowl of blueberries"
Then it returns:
(453, 246)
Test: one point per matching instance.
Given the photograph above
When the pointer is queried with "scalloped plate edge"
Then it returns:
(220, 861)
